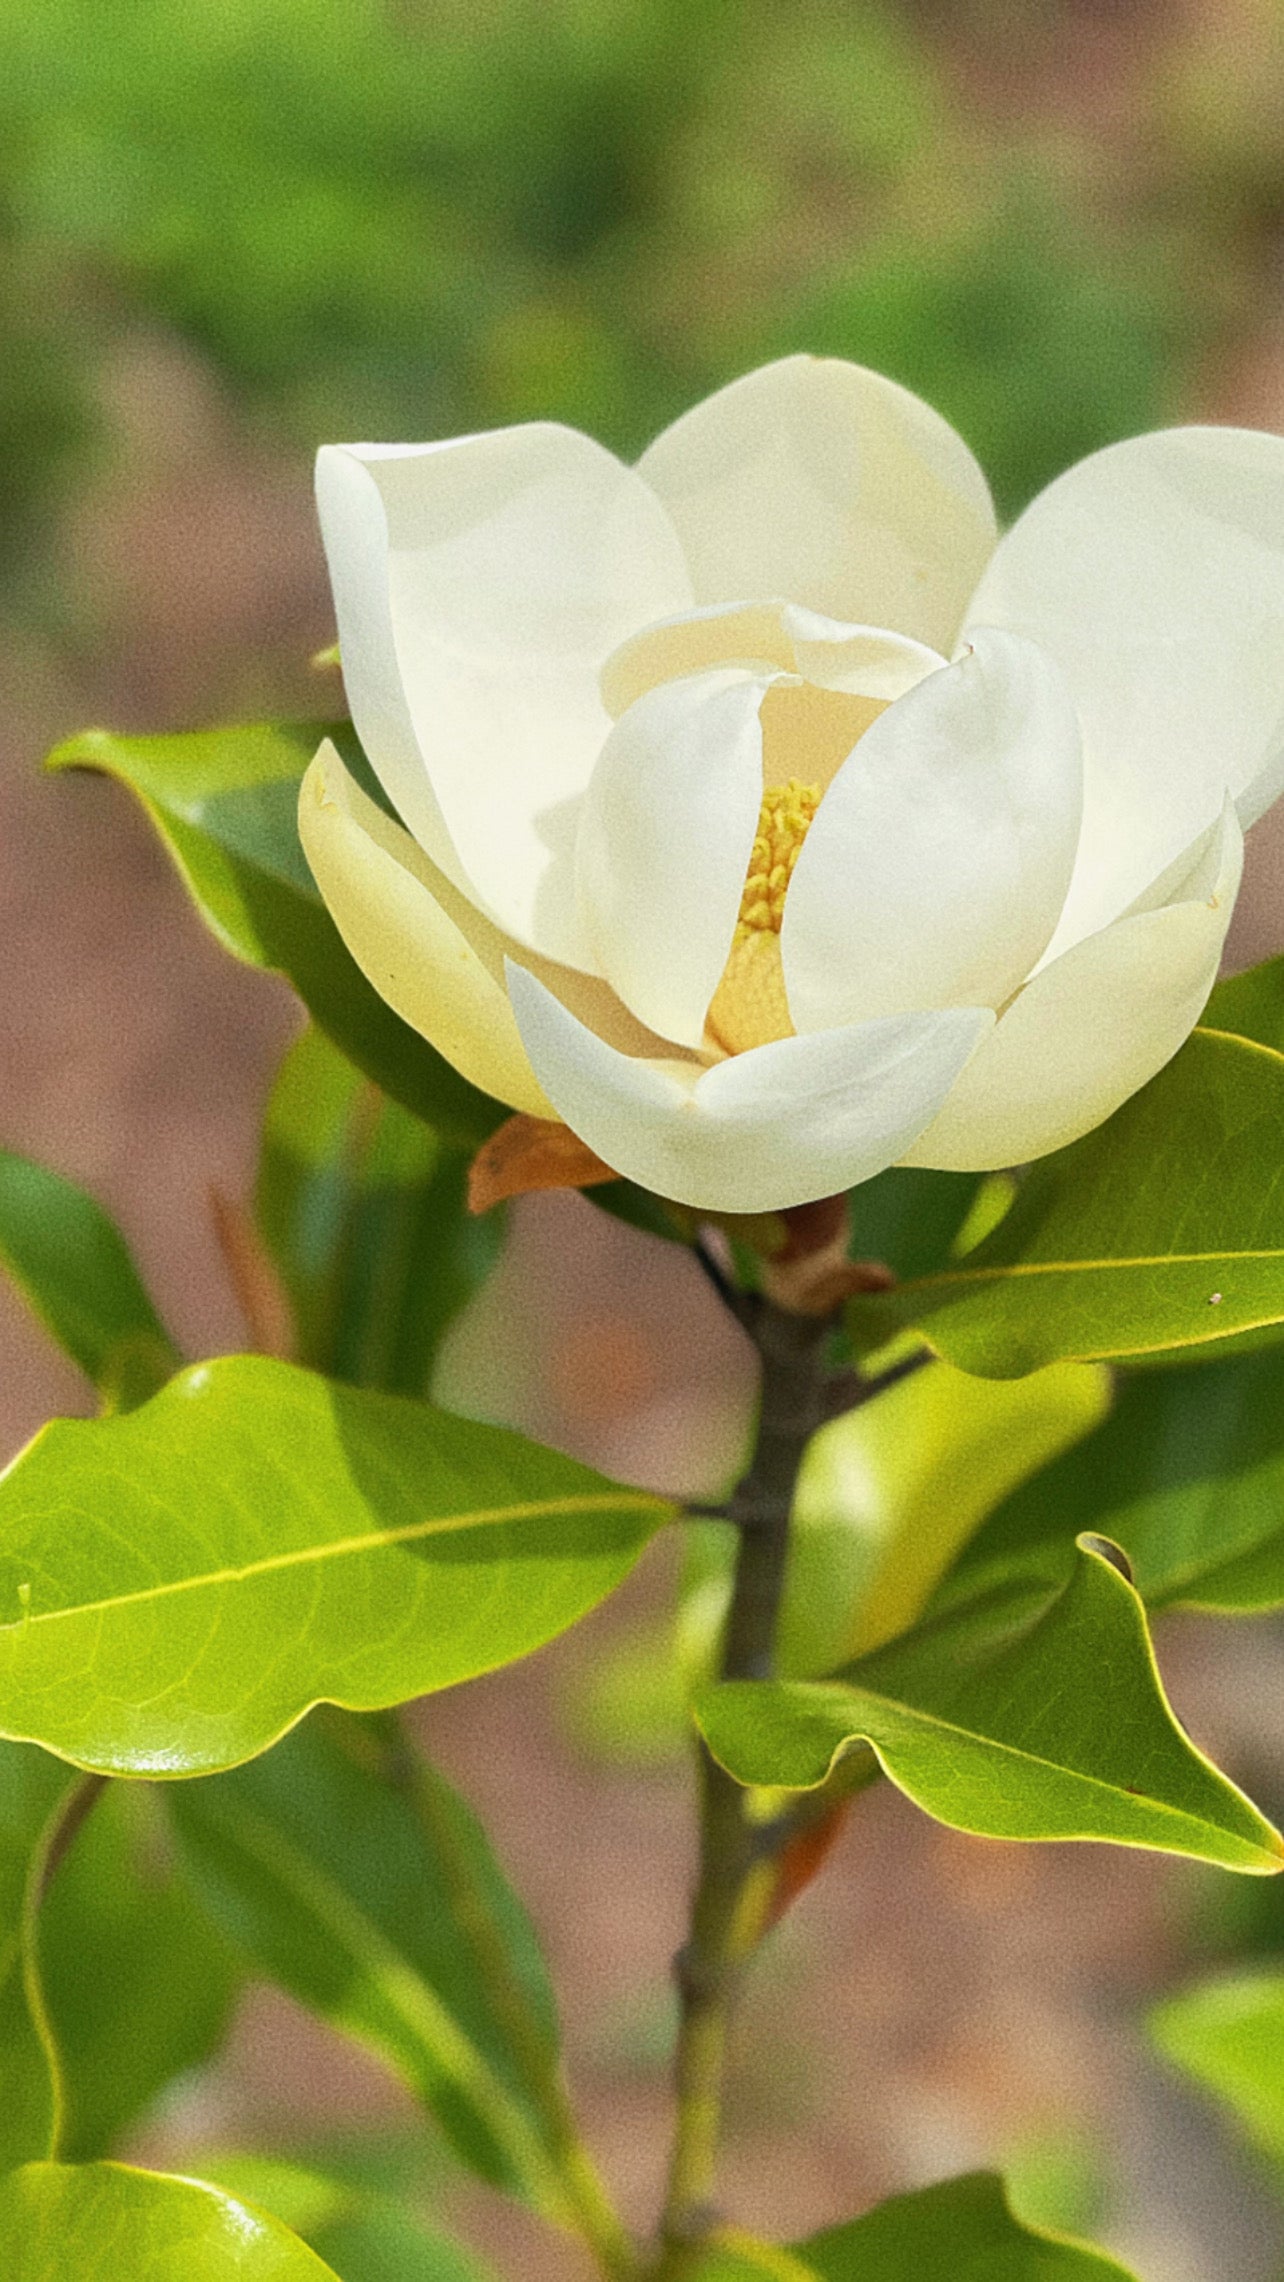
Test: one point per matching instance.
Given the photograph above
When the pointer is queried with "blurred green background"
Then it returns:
(411, 217)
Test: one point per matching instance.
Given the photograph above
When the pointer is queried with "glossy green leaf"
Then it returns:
(1228, 2035)
(357, 1878)
(105, 2222)
(75, 1270)
(179, 1585)
(366, 2237)
(1019, 1716)
(1163, 1229)
(363, 1210)
(1187, 1474)
(224, 801)
(138, 1984)
(960, 2231)
(33, 1789)
(889, 1493)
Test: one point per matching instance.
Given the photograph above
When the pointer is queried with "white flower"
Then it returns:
(711, 852)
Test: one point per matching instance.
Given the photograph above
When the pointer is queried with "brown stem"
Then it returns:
(736, 1882)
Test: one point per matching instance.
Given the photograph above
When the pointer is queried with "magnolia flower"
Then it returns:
(768, 818)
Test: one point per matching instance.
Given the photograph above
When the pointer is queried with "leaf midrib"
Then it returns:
(964, 1278)
(340, 1547)
(410, 1996)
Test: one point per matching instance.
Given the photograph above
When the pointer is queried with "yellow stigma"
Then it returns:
(783, 824)
(749, 1007)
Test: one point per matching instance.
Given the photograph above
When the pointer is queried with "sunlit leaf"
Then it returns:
(1018, 1716)
(889, 1492)
(224, 801)
(1163, 1229)
(1228, 2034)
(99, 2222)
(138, 1984)
(1187, 1474)
(74, 1268)
(357, 1878)
(179, 1585)
(363, 1210)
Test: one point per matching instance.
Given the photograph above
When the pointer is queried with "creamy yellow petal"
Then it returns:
(782, 1125)
(938, 864)
(825, 484)
(480, 585)
(437, 960)
(1094, 1026)
(1153, 572)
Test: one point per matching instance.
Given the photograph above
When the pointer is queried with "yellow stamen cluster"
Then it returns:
(749, 1007)
(783, 824)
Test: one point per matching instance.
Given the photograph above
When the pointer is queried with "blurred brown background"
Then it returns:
(229, 235)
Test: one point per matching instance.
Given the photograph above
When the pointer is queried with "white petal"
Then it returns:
(867, 660)
(666, 832)
(1095, 1025)
(766, 636)
(435, 959)
(828, 485)
(1154, 573)
(782, 1125)
(939, 859)
(480, 585)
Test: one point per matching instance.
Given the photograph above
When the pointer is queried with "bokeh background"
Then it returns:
(231, 231)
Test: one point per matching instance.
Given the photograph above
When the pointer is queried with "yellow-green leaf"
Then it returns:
(105, 2222)
(1019, 1716)
(177, 1586)
(1163, 1229)
(891, 1491)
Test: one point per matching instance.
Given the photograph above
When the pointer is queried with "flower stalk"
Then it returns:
(737, 1877)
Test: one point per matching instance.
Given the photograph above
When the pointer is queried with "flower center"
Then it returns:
(749, 1007)
(784, 821)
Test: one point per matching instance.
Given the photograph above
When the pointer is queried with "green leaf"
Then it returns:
(889, 1492)
(963, 2229)
(74, 1269)
(1163, 1229)
(1187, 1474)
(33, 1790)
(357, 1878)
(182, 1583)
(1228, 2035)
(1019, 1716)
(910, 1219)
(365, 2237)
(100, 2222)
(363, 1210)
(1250, 1005)
(224, 802)
(138, 1984)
